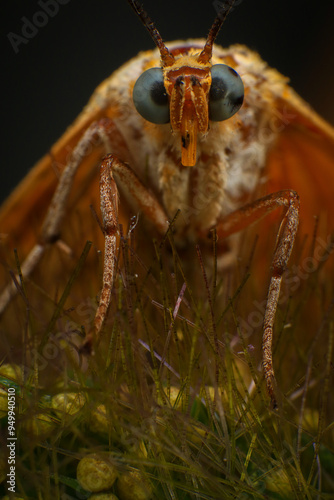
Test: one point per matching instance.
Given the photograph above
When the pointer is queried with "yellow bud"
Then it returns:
(96, 472)
(12, 372)
(68, 403)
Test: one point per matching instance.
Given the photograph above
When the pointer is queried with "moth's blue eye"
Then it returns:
(150, 97)
(226, 93)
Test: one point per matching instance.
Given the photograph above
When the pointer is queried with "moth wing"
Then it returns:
(302, 159)
(22, 214)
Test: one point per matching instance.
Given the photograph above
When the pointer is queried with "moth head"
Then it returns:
(187, 90)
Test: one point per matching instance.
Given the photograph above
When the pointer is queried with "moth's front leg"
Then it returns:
(145, 202)
(98, 133)
(240, 219)
(103, 132)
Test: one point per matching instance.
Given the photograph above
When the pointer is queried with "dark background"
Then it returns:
(51, 78)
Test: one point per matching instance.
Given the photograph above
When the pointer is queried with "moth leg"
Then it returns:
(240, 219)
(145, 202)
(50, 232)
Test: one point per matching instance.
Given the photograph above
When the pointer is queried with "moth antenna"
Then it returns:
(206, 54)
(166, 57)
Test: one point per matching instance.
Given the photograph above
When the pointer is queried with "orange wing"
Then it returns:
(303, 160)
(22, 215)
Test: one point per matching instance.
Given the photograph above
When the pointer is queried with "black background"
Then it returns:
(51, 78)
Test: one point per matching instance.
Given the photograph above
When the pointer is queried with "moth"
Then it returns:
(213, 133)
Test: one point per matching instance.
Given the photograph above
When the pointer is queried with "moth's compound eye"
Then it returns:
(150, 97)
(226, 93)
